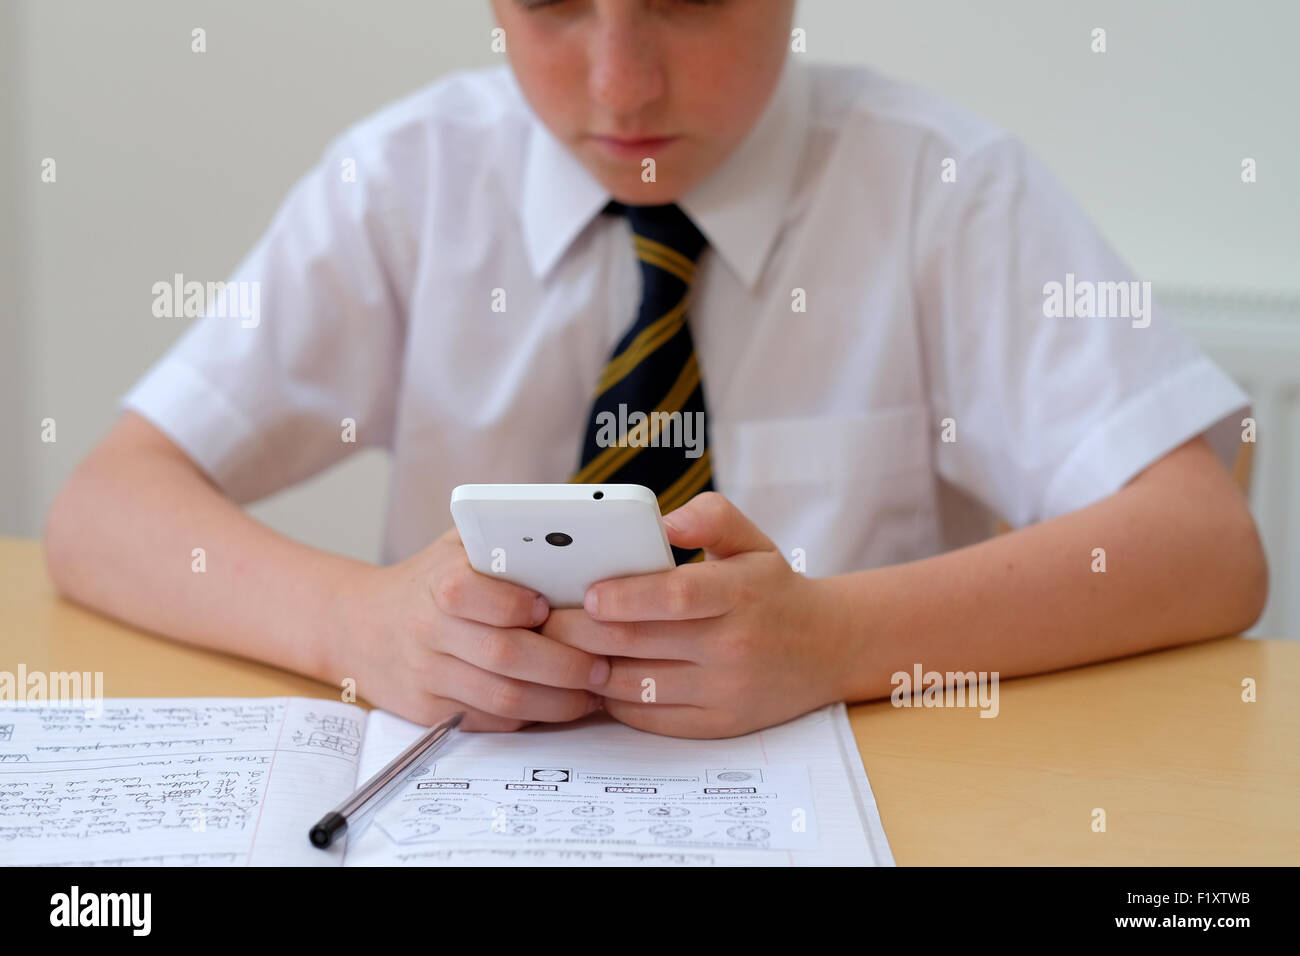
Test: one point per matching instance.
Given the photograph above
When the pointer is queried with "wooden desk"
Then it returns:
(1186, 772)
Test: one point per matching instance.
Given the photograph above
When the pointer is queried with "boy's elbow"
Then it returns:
(71, 525)
(59, 537)
(1246, 572)
(1257, 591)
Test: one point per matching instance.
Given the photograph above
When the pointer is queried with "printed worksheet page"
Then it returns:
(197, 782)
(597, 792)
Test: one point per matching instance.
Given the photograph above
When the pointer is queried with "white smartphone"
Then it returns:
(561, 539)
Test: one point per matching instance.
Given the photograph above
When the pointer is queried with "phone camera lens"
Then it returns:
(598, 495)
(559, 539)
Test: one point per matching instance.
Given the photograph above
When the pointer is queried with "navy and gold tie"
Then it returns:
(653, 370)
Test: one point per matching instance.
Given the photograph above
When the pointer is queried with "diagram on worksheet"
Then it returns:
(768, 808)
(330, 732)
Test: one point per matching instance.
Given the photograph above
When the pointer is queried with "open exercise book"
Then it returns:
(240, 781)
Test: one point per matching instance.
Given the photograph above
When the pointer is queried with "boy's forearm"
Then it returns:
(121, 538)
(1182, 563)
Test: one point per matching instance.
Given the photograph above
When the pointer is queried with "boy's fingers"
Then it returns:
(524, 655)
(463, 592)
(507, 697)
(688, 592)
(656, 682)
(476, 721)
(672, 720)
(711, 522)
(652, 640)
(437, 709)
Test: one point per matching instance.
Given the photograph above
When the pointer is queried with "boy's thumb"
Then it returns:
(711, 522)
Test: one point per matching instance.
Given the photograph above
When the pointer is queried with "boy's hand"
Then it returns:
(431, 636)
(715, 648)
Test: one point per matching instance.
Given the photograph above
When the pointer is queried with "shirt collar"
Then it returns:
(740, 208)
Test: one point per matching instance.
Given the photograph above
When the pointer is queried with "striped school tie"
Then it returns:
(654, 369)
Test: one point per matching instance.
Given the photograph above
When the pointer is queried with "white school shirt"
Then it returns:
(880, 377)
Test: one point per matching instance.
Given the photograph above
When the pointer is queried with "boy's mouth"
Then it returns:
(633, 147)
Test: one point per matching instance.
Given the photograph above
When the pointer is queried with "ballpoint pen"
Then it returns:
(382, 785)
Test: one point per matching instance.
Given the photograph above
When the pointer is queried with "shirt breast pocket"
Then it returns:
(848, 491)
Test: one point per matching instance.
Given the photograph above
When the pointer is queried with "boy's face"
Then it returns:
(620, 81)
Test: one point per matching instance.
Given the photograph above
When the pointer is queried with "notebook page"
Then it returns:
(596, 792)
(174, 782)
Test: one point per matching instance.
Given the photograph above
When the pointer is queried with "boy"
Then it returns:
(870, 275)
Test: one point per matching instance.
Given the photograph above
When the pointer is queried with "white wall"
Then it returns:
(15, 444)
(169, 161)
(1149, 135)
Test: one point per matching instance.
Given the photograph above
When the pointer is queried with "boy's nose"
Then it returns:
(624, 72)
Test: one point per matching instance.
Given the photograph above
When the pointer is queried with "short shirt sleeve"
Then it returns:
(1062, 379)
(305, 336)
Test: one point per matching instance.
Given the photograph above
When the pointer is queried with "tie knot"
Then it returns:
(667, 224)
